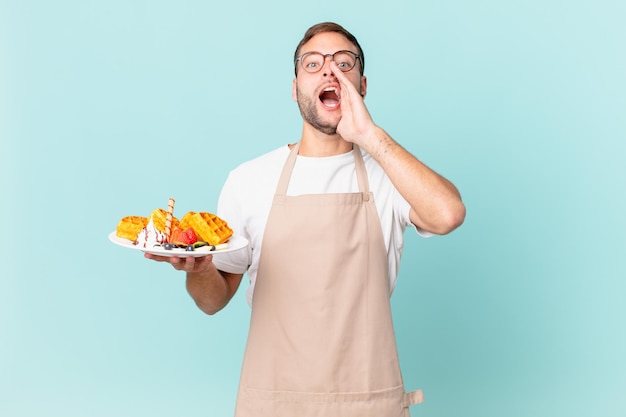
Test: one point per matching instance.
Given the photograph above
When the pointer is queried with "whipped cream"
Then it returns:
(150, 236)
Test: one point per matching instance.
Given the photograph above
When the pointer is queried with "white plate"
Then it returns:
(233, 244)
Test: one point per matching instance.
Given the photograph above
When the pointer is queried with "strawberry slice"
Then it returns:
(175, 235)
(186, 237)
(189, 236)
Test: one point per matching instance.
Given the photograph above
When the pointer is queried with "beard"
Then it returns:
(310, 115)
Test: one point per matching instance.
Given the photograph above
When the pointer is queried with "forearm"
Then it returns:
(436, 204)
(211, 289)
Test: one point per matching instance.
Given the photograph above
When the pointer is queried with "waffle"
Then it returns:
(159, 216)
(208, 227)
(130, 226)
(185, 221)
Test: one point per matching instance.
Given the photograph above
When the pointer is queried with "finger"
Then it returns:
(344, 82)
(188, 264)
(202, 263)
(198, 264)
(158, 258)
(175, 261)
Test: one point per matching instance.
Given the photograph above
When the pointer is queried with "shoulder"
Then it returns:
(252, 177)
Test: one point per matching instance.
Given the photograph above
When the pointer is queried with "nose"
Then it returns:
(326, 67)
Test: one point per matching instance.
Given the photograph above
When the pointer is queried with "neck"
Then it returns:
(317, 144)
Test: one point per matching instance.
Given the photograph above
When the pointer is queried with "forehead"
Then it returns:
(328, 43)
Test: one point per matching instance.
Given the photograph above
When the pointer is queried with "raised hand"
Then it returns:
(356, 122)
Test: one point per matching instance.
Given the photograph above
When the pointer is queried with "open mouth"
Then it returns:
(330, 97)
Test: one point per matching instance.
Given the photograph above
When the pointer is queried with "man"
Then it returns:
(325, 219)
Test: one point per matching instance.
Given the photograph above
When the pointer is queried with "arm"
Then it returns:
(436, 204)
(210, 288)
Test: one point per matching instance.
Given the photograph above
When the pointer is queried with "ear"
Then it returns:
(294, 90)
(363, 89)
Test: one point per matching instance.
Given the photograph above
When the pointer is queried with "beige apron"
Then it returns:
(321, 340)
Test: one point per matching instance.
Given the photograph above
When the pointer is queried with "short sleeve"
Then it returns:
(403, 209)
(229, 208)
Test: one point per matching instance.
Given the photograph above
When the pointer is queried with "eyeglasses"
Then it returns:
(314, 61)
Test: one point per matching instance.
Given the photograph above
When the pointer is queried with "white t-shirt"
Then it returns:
(246, 199)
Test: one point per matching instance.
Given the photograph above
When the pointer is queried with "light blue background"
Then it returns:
(109, 108)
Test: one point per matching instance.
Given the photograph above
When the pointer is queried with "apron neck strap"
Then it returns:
(361, 174)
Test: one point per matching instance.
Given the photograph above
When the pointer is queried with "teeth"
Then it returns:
(331, 89)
